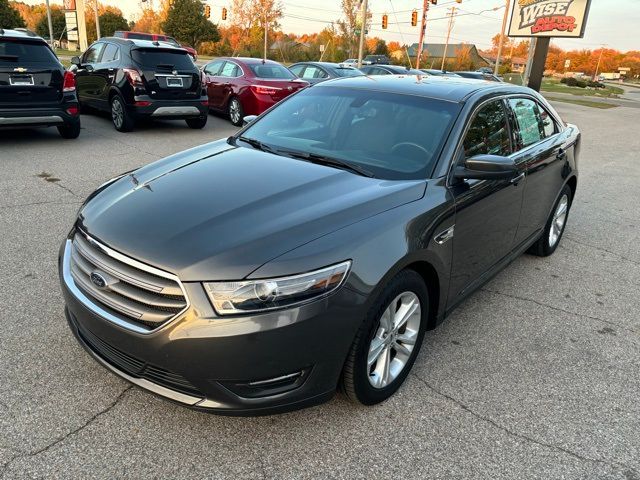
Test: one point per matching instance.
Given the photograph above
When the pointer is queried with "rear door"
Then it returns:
(214, 83)
(168, 74)
(30, 74)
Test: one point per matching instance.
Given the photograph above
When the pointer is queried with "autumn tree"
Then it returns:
(187, 23)
(31, 14)
(150, 21)
(9, 16)
(348, 25)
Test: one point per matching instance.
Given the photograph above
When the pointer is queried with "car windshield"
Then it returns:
(25, 52)
(348, 72)
(152, 58)
(393, 136)
(271, 70)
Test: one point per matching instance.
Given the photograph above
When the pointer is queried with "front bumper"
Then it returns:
(249, 365)
(170, 109)
(36, 117)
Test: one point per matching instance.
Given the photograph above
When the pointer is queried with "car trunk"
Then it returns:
(168, 74)
(30, 75)
(278, 88)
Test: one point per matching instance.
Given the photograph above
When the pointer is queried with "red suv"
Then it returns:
(248, 86)
(156, 37)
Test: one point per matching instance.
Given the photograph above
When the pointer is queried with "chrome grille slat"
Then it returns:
(142, 297)
(124, 272)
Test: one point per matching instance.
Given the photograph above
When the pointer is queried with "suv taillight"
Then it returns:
(134, 77)
(69, 82)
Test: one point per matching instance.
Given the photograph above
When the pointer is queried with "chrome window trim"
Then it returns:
(502, 98)
(97, 309)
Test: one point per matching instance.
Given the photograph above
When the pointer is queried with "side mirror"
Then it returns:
(486, 167)
(75, 61)
(248, 119)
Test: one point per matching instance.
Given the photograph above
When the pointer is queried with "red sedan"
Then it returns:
(248, 86)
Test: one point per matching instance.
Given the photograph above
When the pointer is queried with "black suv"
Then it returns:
(35, 89)
(135, 79)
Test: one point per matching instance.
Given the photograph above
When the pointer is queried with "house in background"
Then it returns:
(518, 64)
(432, 55)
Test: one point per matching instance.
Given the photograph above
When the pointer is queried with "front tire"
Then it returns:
(196, 123)
(236, 112)
(388, 341)
(69, 130)
(554, 227)
(121, 119)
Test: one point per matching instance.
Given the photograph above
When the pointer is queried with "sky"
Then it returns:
(614, 23)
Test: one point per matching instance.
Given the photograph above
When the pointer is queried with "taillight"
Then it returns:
(69, 82)
(134, 77)
(265, 90)
(72, 111)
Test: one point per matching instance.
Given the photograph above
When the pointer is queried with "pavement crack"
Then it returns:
(558, 309)
(622, 257)
(617, 466)
(59, 440)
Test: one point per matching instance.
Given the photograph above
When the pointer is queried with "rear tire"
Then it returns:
(556, 223)
(364, 379)
(196, 123)
(236, 112)
(122, 120)
(70, 130)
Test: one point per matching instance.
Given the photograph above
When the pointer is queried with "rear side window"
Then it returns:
(314, 72)
(111, 53)
(151, 59)
(271, 71)
(25, 52)
(230, 70)
(488, 133)
(531, 127)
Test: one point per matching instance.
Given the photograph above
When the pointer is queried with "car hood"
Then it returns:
(218, 212)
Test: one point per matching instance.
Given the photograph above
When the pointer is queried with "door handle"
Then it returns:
(518, 179)
(562, 154)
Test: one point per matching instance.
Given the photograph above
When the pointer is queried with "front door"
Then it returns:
(487, 211)
(88, 84)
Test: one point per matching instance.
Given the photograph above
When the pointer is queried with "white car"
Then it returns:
(350, 62)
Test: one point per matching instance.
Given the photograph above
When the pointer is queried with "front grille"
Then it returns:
(135, 367)
(148, 299)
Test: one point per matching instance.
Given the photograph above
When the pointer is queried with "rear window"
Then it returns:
(271, 71)
(348, 72)
(25, 52)
(139, 36)
(151, 59)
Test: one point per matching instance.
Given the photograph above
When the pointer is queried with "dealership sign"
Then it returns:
(549, 18)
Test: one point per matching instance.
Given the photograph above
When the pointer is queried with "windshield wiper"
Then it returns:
(329, 161)
(257, 144)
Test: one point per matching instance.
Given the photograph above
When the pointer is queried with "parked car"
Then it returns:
(351, 62)
(376, 60)
(156, 37)
(315, 72)
(35, 89)
(312, 250)
(139, 79)
(390, 70)
(438, 73)
(248, 86)
(490, 77)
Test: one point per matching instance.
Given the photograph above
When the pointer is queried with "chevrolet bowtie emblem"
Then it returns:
(20, 69)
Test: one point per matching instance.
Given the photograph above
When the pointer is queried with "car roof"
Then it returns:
(21, 33)
(250, 60)
(326, 64)
(142, 43)
(454, 89)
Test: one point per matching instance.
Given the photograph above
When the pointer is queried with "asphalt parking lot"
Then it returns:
(535, 376)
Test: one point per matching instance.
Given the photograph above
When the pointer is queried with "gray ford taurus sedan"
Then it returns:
(312, 250)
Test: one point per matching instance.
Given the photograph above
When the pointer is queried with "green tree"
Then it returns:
(110, 22)
(187, 23)
(57, 21)
(9, 16)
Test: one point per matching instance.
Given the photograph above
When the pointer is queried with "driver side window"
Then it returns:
(488, 133)
(93, 54)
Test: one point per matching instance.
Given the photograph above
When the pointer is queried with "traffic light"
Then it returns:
(385, 21)
(224, 13)
(435, 2)
(207, 11)
(414, 18)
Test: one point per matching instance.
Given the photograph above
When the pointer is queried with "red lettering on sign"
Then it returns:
(560, 23)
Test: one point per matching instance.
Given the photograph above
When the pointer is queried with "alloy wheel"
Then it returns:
(234, 111)
(394, 339)
(558, 221)
(117, 113)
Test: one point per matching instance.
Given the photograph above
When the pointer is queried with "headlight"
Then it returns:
(259, 295)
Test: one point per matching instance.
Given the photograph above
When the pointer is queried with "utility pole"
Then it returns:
(527, 69)
(423, 27)
(452, 13)
(504, 27)
(97, 23)
(595, 76)
(50, 24)
(266, 27)
(363, 27)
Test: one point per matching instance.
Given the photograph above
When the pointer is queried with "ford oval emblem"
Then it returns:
(98, 280)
